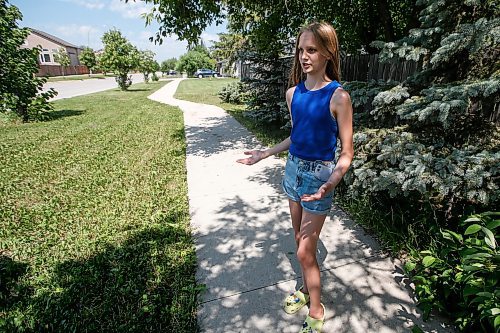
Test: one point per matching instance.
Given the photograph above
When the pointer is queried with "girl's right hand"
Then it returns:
(256, 156)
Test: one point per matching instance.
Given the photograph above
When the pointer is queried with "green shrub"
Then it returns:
(459, 274)
(20, 89)
(233, 93)
(124, 81)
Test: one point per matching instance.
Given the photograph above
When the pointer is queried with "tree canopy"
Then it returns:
(119, 57)
(168, 64)
(20, 89)
(147, 64)
(195, 59)
(62, 57)
(88, 58)
(271, 24)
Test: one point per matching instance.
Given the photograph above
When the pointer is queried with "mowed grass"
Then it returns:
(94, 221)
(206, 91)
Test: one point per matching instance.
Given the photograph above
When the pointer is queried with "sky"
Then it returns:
(83, 22)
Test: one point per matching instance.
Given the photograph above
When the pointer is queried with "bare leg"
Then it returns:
(296, 213)
(310, 228)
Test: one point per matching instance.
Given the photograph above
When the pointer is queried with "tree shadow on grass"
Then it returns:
(134, 89)
(55, 115)
(145, 284)
(12, 289)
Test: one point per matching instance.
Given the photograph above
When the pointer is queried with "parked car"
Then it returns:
(200, 73)
(172, 72)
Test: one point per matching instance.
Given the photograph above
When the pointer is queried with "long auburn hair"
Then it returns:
(328, 46)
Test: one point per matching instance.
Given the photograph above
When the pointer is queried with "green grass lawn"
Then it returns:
(77, 77)
(206, 91)
(94, 220)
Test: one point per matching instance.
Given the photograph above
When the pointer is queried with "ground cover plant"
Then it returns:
(94, 221)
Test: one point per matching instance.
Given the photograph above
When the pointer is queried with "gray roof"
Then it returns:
(53, 38)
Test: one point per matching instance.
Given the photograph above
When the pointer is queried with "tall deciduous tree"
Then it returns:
(228, 48)
(168, 64)
(359, 22)
(193, 60)
(20, 89)
(88, 58)
(119, 57)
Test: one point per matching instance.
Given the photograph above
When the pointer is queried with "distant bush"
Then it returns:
(233, 93)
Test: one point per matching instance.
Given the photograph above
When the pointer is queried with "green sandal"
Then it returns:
(312, 325)
(295, 301)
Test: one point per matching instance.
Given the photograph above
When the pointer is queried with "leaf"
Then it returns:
(489, 243)
(493, 224)
(470, 290)
(410, 266)
(490, 236)
(448, 234)
(478, 256)
(428, 261)
(473, 219)
(496, 323)
(472, 229)
(495, 311)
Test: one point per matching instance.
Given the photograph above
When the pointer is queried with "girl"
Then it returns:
(321, 112)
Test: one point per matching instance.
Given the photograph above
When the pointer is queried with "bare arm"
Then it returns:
(257, 155)
(341, 108)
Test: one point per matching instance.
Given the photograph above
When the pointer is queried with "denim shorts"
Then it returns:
(306, 177)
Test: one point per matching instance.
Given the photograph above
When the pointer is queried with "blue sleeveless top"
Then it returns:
(314, 130)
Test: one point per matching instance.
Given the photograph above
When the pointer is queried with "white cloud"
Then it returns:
(130, 9)
(170, 48)
(80, 35)
(90, 4)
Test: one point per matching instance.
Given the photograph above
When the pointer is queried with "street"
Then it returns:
(67, 89)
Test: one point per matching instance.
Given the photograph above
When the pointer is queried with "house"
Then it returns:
(50, 45)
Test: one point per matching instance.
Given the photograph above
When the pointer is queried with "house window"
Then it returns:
(45, 57)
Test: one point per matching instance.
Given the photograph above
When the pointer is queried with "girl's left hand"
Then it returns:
(320, 194)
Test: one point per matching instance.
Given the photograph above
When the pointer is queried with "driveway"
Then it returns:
(67, 89)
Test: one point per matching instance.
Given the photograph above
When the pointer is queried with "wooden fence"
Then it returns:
(55, 70)
(358, 68)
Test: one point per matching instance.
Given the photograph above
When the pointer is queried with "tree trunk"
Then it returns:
(386, 20)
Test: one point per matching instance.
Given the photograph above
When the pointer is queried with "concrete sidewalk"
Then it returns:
(245, 246)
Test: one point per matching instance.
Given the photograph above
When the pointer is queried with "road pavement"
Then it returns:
(68, 89)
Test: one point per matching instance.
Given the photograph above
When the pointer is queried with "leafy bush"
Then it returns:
(155, 77)
(233, 93)
(434, 138)
(19, 88)
(459, 275)
(119, 57)
(124, 81)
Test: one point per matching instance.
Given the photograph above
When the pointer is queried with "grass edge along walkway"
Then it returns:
(94, 220)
